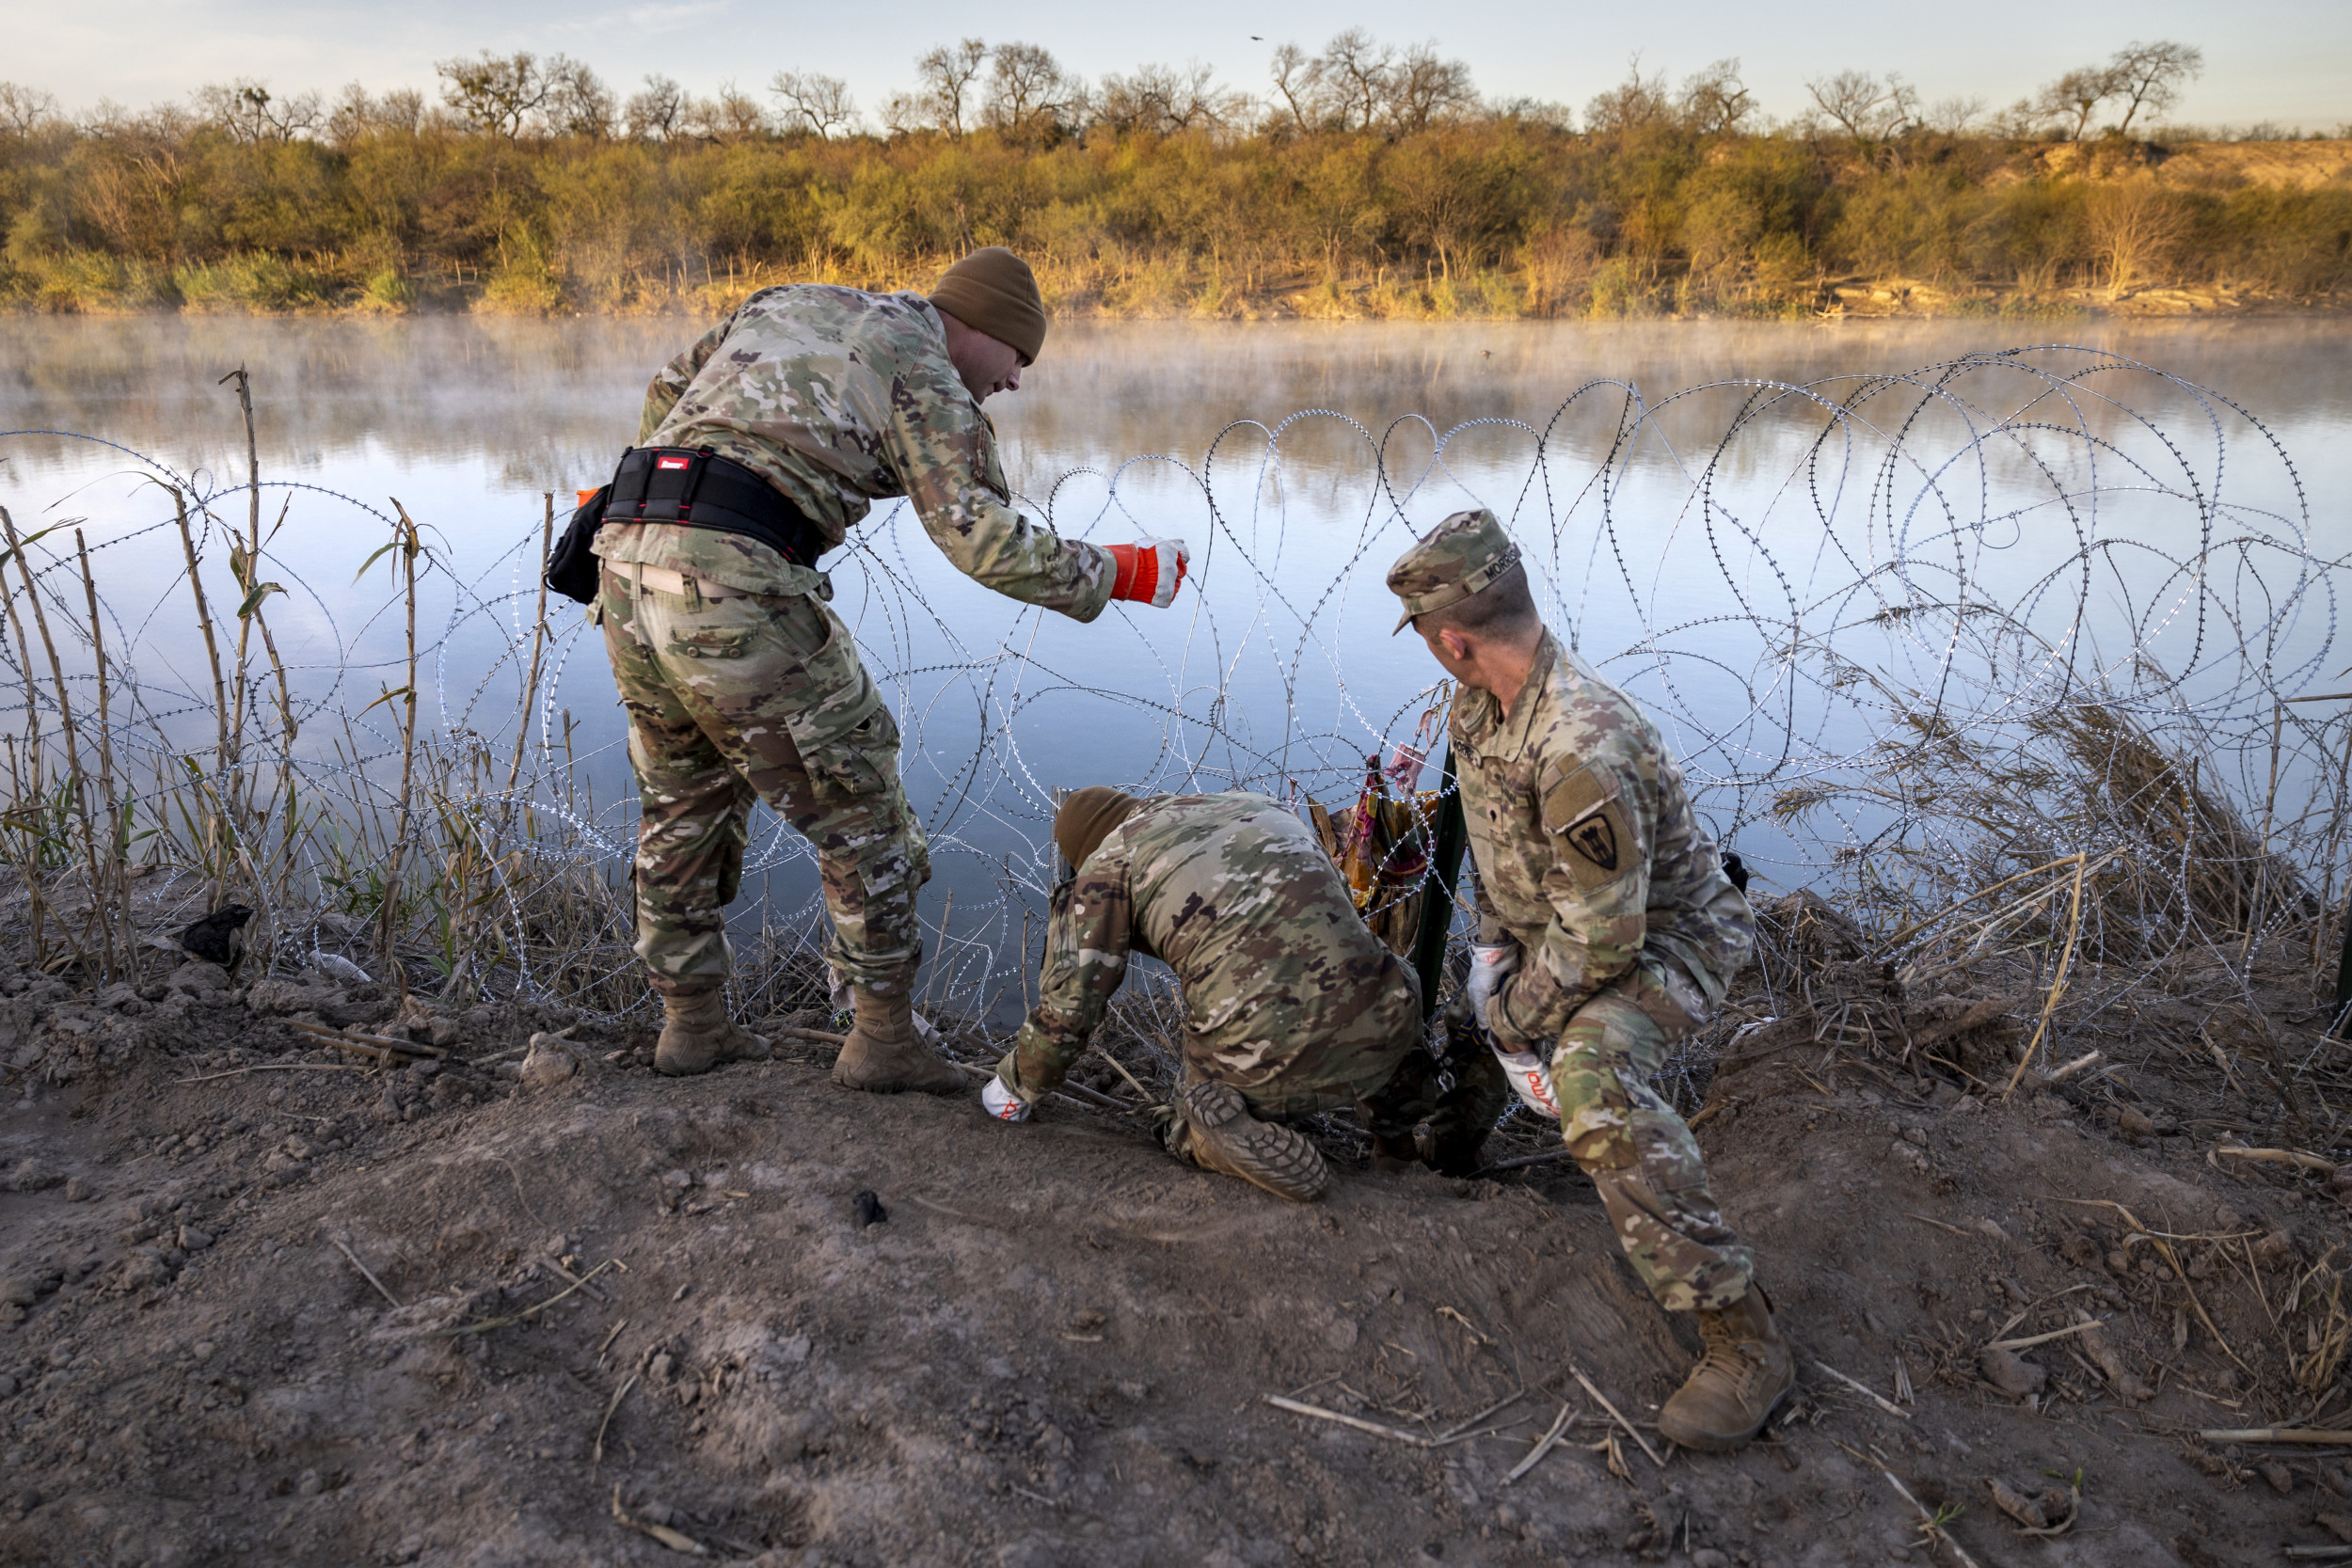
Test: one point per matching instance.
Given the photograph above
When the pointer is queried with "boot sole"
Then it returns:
(899, 1086)
(1269, 1167)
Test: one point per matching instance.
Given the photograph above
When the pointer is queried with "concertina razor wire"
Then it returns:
(1908, 634)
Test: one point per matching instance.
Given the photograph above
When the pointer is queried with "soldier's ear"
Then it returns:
(1456, 646)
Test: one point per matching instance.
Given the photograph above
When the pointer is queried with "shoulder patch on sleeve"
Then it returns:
(1582, 807)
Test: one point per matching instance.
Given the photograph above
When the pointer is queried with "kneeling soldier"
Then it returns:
(1292, 1003)
(1607, 930)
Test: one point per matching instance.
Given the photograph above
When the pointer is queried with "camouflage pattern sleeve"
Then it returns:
(1601, 824)
(1087, 942)
(670, 382)
(1491, 929)
(939, 445)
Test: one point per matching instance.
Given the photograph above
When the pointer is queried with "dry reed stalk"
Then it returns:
(77, 782)
(289, 728)
(368, 1274)
(213, 825)
(117, 882)
(1615, 1414)
(1378, 1429)
(538, 643)
(939, 959)
(1543, 1445)
(29, 867)
(2262, 866)
(35, 893)
(1985, 926)
(245, 566)
(2058, 982)
(408, 547)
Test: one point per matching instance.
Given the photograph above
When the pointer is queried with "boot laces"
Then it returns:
(1730, 1355)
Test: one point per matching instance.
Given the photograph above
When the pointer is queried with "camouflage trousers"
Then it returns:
(763, 695)
(1639, 1153)
(1319, 1072)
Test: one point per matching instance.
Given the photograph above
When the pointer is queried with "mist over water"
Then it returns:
(1680, 538)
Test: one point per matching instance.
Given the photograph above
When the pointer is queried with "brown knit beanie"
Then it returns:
(1087, 818)
(993, 291)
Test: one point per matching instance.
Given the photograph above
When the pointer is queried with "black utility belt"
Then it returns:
(692, 487)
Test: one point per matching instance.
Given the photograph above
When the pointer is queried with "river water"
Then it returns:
(1781, 537)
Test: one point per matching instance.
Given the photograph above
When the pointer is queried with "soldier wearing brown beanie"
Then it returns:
(782, 426)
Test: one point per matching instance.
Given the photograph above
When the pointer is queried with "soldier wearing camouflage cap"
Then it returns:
(1607, 930)
(812, 403)
(1290, 1003)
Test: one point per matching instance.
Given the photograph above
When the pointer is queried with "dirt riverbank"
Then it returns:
(269, 1303)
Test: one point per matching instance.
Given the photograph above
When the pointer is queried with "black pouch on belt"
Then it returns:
(693, 487)
(572, 569)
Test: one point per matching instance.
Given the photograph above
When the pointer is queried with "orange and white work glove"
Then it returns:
(1001, 1103)
(1529, 1073)
(1531, 1079)
(1150, 570)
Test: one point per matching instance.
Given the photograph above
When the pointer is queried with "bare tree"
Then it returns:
(733, 115)
(357, 113)
(2135, 227)
(823, 101)
(947, 74)
(578, 102)
(1424, 89)
(1297, 82)
(1865, 108)
(24, 110)
(2075, 97)
(1160, 100)
(1953, 116)
(1535, 111)
(246, 110)
(1030, 98)
(660, 111)
(496, 93)
(2151, 75)
(1359, 74)
(902, 114)
(1715, 102)
(1632, 103)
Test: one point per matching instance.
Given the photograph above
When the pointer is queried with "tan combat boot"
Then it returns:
(1740, 1379)
(1218, 1134)
(883, 1055)
(697, 1035)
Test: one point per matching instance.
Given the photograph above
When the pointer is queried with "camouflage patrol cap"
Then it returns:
(1461, 556)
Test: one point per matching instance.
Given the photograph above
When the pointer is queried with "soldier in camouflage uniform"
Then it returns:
(1292, 1004)
(740, 679)
(1607, 930)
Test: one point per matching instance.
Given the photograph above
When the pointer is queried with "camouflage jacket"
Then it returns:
(840, 398)
(1288, 996)
(1585, 847)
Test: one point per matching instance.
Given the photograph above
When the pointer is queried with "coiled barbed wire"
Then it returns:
(1907, 633)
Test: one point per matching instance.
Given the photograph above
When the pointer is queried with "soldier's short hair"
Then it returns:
(1506, 605)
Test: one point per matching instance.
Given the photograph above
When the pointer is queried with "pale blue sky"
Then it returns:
(2283, 60)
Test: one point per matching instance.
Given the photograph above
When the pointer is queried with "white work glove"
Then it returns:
(1004, 1105)
(1488, 965)
(1149, 570)
(1531, 1079)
